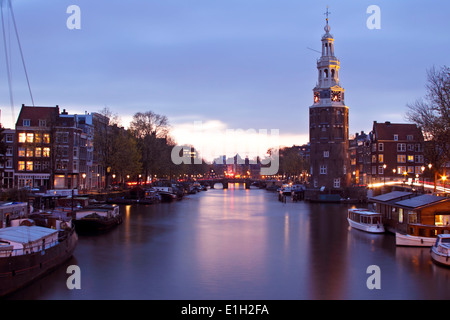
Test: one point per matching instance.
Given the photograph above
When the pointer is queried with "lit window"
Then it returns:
(380, 158)
(38, 138)
(21, 152)
(410, 158)
(401, 158)
(46, 138)
(46, 152)
(29, 165)
(30, 152)
(21, 166)
(30, 137)
(22, 137)
(38, 152)
(401, 169)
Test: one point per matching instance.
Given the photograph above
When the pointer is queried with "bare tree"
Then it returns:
(432, 115)
(151, 131)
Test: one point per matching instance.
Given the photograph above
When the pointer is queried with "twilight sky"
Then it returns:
(231, 64)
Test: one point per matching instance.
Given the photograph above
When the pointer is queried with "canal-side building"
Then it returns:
(7, 159)
(53, 150)
(33, 154)
(329, 124)
(397, 151)
(360, 157)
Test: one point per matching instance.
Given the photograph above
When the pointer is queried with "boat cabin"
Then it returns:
(365, 216)
(23, 240)
(10, 211)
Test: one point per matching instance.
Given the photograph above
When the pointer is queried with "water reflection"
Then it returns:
(242, 244)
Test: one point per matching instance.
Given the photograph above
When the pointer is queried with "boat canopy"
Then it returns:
(25, 234)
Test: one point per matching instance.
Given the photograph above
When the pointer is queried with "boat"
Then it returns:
(365, 220)
(197, 186)
(151, 196)
(285, 190)
(402, 239)
(97, 218)
(440, 251)
(167, 194)
(33, 247)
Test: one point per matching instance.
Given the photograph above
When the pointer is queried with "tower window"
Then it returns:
(326, 73)
(337, 183)
(332, 73)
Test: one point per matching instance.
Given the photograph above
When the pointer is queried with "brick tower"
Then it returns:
(328, 123)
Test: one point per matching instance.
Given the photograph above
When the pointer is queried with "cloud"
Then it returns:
(214, 138)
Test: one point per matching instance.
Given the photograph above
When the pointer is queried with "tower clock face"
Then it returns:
(335, 96)
(316, 97)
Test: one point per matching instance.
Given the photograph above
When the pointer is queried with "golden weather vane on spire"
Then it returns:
(327, 13)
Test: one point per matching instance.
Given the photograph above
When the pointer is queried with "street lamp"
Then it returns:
(384, 173)
(423, 178)
(443, 180)
(84, 180)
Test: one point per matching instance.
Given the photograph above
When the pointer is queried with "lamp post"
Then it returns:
(384, 173)
(404, 177)
(84, 181)
(443, 180)
(423, 178)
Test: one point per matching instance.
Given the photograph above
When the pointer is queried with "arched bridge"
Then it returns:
(225, 181)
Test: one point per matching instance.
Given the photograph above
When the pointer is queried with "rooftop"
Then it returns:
(420, 201)
(391, 196)
(24, 234)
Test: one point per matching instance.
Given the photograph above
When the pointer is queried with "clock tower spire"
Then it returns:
(328, 119)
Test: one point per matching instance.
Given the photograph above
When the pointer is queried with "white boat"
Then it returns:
(365, 220)
(440, 251)
(413, 241)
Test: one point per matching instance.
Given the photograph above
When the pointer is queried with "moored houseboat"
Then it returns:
(97, 218)
(416, 220)
(167, 193)
(33, 247)
(365, 220)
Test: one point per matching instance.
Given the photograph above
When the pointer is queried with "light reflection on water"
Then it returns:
(242, 244)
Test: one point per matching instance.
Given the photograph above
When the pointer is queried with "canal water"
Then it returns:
(242, 244)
